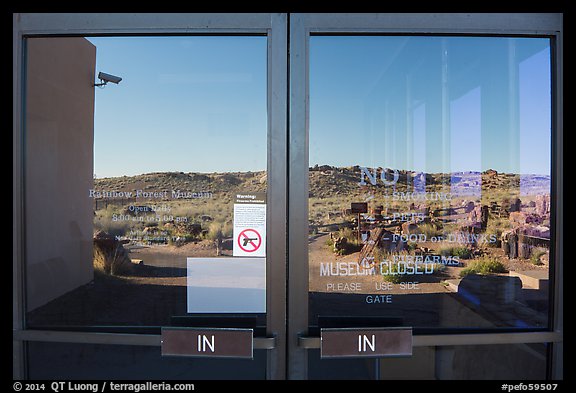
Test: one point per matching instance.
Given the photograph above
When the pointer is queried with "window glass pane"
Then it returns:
(467, 362)
(65, 361)
(131, 188)
(429, 181)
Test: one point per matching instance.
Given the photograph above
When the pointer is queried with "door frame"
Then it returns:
(302, 26)
(288, 341)
(274, 27)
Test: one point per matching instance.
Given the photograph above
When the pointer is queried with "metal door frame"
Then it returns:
(287, 343)
(301, 27)
(274, 26)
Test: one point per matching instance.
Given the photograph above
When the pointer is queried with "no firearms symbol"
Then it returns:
(249, 240)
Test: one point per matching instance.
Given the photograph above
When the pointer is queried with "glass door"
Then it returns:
(152, 187)
(424, 163)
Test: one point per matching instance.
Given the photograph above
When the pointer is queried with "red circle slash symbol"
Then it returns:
(249, 240)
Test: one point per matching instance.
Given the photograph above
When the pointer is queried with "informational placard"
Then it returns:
(359, 207)
(226, 285)
(249, 225)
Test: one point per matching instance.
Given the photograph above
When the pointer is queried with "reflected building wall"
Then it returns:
(59, 166)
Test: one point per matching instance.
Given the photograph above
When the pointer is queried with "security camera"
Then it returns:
(105, 78)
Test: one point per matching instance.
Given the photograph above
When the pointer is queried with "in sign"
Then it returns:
(204, 343)
(207, 342)
(365, 342)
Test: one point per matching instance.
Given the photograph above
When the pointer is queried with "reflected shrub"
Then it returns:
(535, 257)
(219, 229)
(430, 230)
(344, 242)
(486, 265)
(462, 252)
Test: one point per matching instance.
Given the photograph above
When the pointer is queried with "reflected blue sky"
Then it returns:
(432, 104)
(429, 103)
(190, 104)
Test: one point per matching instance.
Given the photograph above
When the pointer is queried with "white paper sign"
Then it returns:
(226, 285)
(249, 225)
